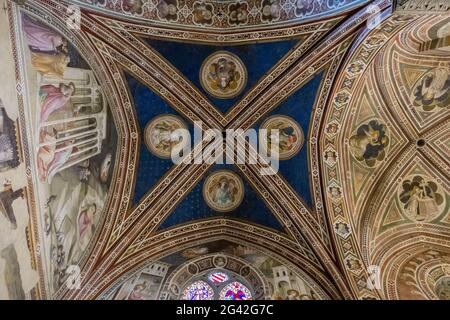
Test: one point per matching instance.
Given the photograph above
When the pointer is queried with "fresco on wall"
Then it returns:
(207, 272)
(74, 144)
(18, 275)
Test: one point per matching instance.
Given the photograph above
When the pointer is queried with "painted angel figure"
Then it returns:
(54, 98)
(421, 198)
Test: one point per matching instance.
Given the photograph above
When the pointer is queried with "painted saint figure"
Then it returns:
(163, 133)
(284, 136)
(137, 292)
(369, 143)
(50, 64)
(224, 193)
(223, 75)
(40, 38)
(54, 98)
(285, 140)
(85, 224)
(105, 168)
(433, 89)
(421, 198)
(50, 158)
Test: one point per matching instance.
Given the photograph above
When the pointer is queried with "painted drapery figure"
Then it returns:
(40, 38)
(7, 197)
(369, 143)
(9, 157)
(54, 98)
(421, 198)
(433, 89)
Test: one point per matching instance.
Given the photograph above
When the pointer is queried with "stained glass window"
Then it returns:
(218, 277)
(235, 291)
(198, 290)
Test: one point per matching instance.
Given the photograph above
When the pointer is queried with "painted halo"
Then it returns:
(160, 136)
(223, 75)
(291, 137)
(223, 190)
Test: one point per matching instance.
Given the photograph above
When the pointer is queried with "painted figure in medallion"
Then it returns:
(223, 190)
(433, 89)
(421, 198)
(223, 75)
(284, 135)
(162, 134)
(369, 143)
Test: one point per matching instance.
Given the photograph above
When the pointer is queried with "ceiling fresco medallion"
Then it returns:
(160, 135)
(432, 89)
(422, 198)
(442, 288)
(223, 75)
(368, 145)
(223, 191)
(290, 138)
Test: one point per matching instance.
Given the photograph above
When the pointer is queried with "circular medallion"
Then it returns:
(422, 198)
(162, 134)
(223, 75)
(223, 191)
(290, 137)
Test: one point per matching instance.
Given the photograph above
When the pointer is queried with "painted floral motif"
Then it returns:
(369, 143)
(270, 10)
(203, 13)
(342, 229)
(375, 41)
(167, 9)
(353, 264)
(304, 7)
(342, 98)
(132, 6)
(238, 13)
(432, 89)
(422, 199)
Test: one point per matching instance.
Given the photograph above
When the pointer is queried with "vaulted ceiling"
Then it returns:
(358, 209)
